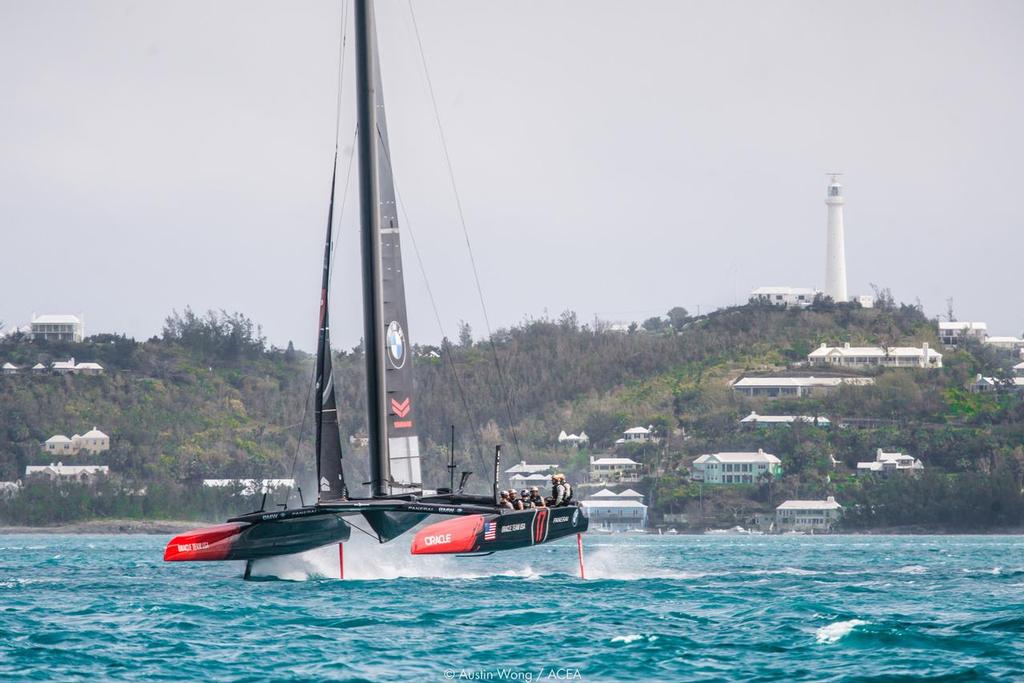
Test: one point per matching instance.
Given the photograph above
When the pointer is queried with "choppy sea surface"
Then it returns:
(670, 608)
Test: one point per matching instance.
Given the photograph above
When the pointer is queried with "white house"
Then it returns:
(526, 468)
(38, 368)
(616, 511)
(807, 515)
(58, 443)
(1018, 369)
(784, 296)
(773, 387)
(94, 441)
(57, 328)
(251, 487)
(64, 367)
(953, 333)
(984, 384)
(875, 356)
(865, 300)
(1006, 343)
(638, 435)
(887, 463)
(70, 367)
(758, 420)
(735, 468)
(525, 481)
(88, 369)
(9, 369)
(605, 470)
(580, 439)
(61, 471)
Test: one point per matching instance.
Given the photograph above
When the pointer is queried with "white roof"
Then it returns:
(782, 290)
(64, 364)
(67, 470)
(637, 430)
(527, 478)
(614, 461)
(38, 366)
(58, 438)
(1019, 366)
(616, 503)
(88, 366)
(824, 351)
(630, 493)
(58, 319)
(800, 381)
(962, 326)
(754, 417)
(94, 434)
(1004, 340)
(524, 467)
(894, 456)
(874, 466)
(603, 493)
(734, 457)
(830, 504)
(9, 366)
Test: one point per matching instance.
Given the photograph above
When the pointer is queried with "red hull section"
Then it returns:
(457, 535)
(500, 531)
(211, 543)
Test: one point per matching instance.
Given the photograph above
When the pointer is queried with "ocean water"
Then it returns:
(683, 608)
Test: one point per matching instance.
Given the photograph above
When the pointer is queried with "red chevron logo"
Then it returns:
(401, 409)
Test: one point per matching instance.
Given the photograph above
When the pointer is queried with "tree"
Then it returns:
(654, 324)
(465, 334)
(677, 317)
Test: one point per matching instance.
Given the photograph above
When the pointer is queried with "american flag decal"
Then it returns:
(490, 531)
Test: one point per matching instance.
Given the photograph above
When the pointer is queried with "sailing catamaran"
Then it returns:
(397, 500)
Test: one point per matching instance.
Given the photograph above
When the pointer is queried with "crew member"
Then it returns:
(536, 498)
(568, 490)
(524, 496)
(557, 491)
(517, 502)
(505, 503)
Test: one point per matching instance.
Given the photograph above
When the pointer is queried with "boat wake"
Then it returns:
(367, 560)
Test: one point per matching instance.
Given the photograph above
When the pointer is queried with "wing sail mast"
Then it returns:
(393, 441)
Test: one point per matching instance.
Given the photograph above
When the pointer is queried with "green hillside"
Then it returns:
(208, 398)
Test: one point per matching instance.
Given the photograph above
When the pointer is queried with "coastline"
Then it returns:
(109, 526)
(163, 526)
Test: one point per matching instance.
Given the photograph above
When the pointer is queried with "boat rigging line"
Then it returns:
(348, 177)
(465, 232)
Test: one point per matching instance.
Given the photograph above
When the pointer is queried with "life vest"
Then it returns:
(557, 495)
(568, 493)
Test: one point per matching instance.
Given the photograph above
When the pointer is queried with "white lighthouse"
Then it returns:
(835, 257)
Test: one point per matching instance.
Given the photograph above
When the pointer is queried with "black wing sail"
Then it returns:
(330, 479)
(403, 445)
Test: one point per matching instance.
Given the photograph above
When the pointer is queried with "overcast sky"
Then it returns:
(615, 158)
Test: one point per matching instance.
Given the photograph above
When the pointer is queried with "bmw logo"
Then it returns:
(396, 344)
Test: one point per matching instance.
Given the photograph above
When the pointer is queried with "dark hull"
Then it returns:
(255, 540)
(284, 532)
(504, 530)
